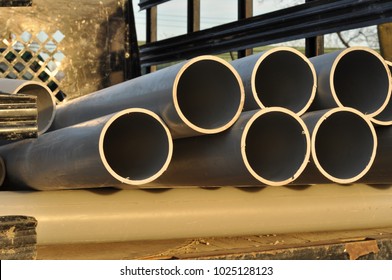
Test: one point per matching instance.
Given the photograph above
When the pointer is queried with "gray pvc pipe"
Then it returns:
(356, 77)
(385, 117)
(46, 104)
(264, 147)
(281, 77)
(381, 170)
(82, 216)
(131, 147)
(204, 95)
(343, 146)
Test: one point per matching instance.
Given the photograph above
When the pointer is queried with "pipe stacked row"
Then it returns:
(274, 118)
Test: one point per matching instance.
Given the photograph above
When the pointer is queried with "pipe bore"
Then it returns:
(343, 145)
(385, 117)
(208, 94)
(359, 79)
(275, 146)
(135, 146)
(46, 105)
(284, 77)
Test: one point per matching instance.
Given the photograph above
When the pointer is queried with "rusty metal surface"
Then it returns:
(82, 43)
(16, 3)
(18, 238)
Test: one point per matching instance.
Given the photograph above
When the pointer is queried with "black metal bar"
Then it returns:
(245, 10)
(314, 45)
(146, 4)
(132, 67)
(301, 21)
(16, 3)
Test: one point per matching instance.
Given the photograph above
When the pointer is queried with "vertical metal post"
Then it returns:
(314, 45)
(193, 18)
(245, 10)
(151, 30)
(132, 67)
(385, 38)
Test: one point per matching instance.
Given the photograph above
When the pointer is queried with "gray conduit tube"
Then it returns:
(82, 216)
(204, 95)
(381, 170)
(280, 77)
(46, 104)
(385, 117)
(264, 147)
(131, 147)
(356, 77)
(343, 146)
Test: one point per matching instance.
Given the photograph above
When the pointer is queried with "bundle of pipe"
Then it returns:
(204, 95)
(281, 77)
(131, 147)
(46, 105)
(264, 147)
(343, 146)
(80, 216)
(355, 77)
(18, 116)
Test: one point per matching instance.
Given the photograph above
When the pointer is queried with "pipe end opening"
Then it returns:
(361, 81)
(344, 146)
(137, 147)
(46, 105)
(285, 78)
(209, 95)
(276, 147)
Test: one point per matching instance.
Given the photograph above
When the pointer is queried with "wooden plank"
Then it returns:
(319, 245)
(385, 37)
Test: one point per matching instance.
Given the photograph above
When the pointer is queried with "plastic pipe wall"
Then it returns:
(204, 95)
(131, 147)
(280, 77)
(82, 216)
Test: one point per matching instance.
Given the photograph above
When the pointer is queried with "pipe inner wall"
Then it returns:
(134, 155)
(360, 79)
(45, 105)
(343, 145)
(277, 147)
(284, 78)
(208, 95)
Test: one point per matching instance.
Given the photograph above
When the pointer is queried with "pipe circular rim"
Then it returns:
(305, 132)
(313, 145)
(264, 56)
(177, 105)
(48, 101)
(102, 152)
(333, 70)
(375, 119)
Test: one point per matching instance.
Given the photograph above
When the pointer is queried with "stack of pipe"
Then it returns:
(274, 118)
(18, 116)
